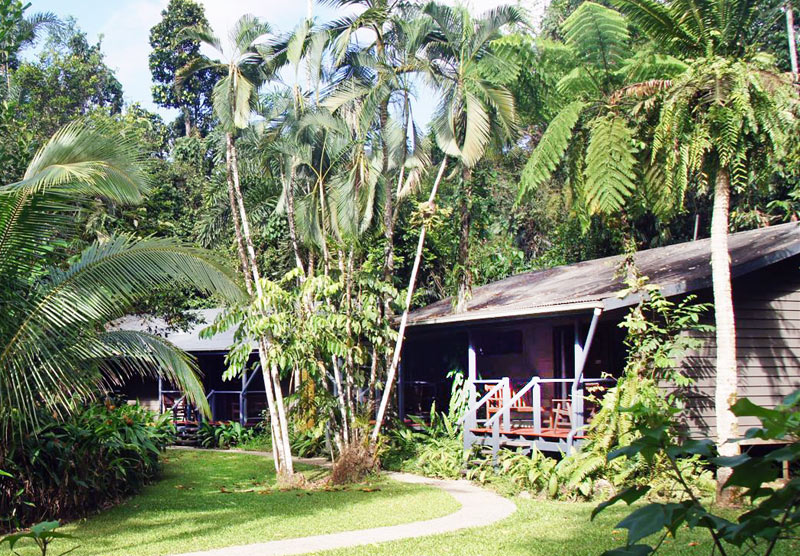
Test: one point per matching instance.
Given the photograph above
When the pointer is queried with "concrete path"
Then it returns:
(478, 507)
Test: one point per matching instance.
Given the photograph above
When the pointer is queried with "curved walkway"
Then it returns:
(478, 507)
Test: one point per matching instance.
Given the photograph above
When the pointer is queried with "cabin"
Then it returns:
(536, 345)
(242, 399)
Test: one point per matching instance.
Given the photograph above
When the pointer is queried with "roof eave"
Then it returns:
(513, 314)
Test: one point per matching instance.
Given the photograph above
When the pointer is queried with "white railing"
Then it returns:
(509, 403)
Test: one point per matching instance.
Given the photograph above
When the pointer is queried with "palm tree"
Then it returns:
(22, 32)
(234, 97)
(57, 347)
(377, 75)
(726, 119)
(473, 108)
(462, 126)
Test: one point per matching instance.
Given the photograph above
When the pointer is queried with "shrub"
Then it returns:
(223, 435)
(71, 467)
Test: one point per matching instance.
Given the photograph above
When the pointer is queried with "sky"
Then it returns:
(125, 27)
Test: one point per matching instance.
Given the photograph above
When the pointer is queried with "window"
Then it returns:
(499, 343)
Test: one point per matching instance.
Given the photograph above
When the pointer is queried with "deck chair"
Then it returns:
(561, 414)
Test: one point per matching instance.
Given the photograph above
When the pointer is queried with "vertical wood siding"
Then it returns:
(767, 309)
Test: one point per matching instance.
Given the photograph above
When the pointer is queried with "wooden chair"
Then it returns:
(561, 414)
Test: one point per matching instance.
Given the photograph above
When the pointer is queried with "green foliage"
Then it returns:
(224, 435)
(68, 80)
(70, 467)
(56, 348)
(599, 35)
(171, 51)
(42, 535)
(774, 514)
(610, 162)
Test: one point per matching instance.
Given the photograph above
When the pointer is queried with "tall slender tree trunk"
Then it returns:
(388, 202)
(398, 346)
(465, 273)
(187, 121)
(726, 379)
(791, 36)
(281, 447)
(291, 217)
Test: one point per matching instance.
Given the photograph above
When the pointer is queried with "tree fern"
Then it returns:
(548, 153)
(610, 163)
(598, 34)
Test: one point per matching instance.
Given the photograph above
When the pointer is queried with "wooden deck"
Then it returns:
(529, 432)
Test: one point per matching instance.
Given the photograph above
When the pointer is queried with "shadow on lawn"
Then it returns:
(211, 500)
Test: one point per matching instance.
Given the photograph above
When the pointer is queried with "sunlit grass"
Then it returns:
(546, 528)
(216, 499)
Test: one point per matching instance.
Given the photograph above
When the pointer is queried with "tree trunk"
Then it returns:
(237, 226)
(726, 379)
(290, 216)
(281, 447)
(465, 273)
(398, 346)
(791, 37)
(388, 202)
(187, 121)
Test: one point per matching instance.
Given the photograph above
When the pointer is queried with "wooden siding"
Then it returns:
(767, 309)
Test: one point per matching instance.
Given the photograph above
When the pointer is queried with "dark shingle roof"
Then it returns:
(582, 286)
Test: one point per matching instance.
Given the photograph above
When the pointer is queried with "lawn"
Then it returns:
(216, 499)
(544, 528)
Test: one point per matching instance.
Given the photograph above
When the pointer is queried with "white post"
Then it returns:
(471, 417)
(506, 409)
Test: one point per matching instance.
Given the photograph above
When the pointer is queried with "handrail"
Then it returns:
(474, 407)
(516, 398)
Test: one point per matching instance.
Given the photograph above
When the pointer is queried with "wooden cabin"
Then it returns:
(240, 399)
(534, 345)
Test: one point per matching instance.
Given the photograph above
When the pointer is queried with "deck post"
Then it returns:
(243, 400)
(471, 417)
(160, 394)
(536, 396)
(577, 416)
(506, 409)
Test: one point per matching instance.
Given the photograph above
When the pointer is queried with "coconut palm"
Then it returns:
(243, 66)
(57, 348)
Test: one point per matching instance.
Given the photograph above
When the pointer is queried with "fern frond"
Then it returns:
(548, 153)
(610, 164)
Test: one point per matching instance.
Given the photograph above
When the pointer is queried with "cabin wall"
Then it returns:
(767, 312)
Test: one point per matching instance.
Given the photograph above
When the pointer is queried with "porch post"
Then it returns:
(160, 394)
(470, 419)
(243, 400)
(576, 392)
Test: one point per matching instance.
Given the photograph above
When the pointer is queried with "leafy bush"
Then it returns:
(73, 466)
(435, 450)
(775, 510)
(223, 435)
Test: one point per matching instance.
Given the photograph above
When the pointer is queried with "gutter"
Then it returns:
(540, 311)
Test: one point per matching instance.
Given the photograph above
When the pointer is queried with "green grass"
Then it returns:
(187, 510)
(544, 528)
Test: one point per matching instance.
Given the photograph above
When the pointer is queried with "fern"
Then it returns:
(598, 34)
(548, 153)
(610, 164)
